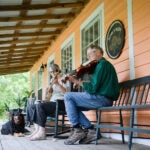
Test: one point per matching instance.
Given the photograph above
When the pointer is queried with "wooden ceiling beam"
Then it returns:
(37, 17)
(23, 51)
(16, 65)
(15, 69)
(25, 46)
(19, 59)
(13, 63)
(41, 6)
(27, 40)
(52, 33)
(18, 27)
(19, 54)
(14, 72)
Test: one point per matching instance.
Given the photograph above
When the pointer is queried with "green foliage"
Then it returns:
(13, 91)
(1, 109)
(20, 101)
(6, 107)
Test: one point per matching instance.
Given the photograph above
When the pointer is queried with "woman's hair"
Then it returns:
(55, 67)
(96, 48)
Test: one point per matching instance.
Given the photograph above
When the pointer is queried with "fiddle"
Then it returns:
(49, 90)
(87, 67)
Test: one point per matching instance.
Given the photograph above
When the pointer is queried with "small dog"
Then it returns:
(16, 126)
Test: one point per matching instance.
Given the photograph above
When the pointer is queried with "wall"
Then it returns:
(141, 26)
(127, 66)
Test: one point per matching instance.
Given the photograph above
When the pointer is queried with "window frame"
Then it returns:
(34, 80)
(98, 12)
(70, 41)
(41, 86)
(50, 59)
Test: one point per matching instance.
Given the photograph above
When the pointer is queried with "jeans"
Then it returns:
(31, 110)
(76, 102)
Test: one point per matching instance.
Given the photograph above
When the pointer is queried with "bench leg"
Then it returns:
(121, 125)
(131, 132)
(97, 125)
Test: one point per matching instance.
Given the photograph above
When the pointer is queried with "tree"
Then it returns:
(13, 87)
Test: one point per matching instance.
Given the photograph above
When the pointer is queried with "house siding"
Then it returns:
(141, 49)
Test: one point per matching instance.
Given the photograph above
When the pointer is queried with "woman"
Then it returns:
(56, 90)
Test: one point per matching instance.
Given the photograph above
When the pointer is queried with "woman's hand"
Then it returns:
(44, 101)
(55, 81)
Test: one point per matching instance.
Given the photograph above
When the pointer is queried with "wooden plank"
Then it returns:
(142, 35)
(142, 71)
(41, 6)
(37, 17)
(51, 33)
(142, 47)
(60, 25)
(9, 142)
(30, 40)
(142, 59)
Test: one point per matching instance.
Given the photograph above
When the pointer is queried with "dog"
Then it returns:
(16, 126)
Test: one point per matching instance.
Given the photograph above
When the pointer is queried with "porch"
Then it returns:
(31, 39)
(8, 142)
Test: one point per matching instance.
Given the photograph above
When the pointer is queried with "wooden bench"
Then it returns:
(134, 95)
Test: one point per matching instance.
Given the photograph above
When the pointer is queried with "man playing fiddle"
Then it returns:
(101, 90)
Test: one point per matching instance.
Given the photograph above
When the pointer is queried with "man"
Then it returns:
(101, 90)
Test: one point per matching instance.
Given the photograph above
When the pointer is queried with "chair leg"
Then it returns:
(56, 121)
(121, 125)
(131, 127)
(62, 123)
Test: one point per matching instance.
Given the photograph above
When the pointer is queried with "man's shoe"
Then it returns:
(71, 133)
(76, 136)
(91, 136)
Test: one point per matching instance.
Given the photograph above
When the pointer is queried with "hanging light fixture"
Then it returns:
(43, 66)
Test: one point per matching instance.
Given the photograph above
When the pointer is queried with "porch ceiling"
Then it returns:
(27, 28)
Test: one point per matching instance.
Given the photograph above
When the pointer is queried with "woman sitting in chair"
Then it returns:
(56, 91)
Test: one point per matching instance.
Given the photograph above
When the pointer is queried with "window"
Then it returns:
(33, 84)
(40, 84)
(49, 63)
(91, 32)
(67, 56)
(40, 79)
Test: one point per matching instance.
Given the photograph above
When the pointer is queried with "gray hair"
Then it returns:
(55, 67)
(95, 47)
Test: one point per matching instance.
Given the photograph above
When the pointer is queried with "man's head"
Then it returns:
(94, 52)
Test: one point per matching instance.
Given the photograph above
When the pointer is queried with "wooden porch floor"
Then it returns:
(8, 142)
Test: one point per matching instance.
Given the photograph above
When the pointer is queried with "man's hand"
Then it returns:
(75, 81)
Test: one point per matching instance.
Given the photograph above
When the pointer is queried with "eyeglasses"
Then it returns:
(89, 54)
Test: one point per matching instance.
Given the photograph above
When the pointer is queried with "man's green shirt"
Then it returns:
(104, 81)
